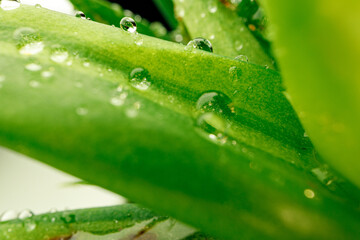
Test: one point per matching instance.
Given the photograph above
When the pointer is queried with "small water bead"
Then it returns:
(140, 79)
(38, 5)
(128, 24)
(213, 126)
(200, 43)
(81, 111)
(9, 4)
(59, 54)
(25, 214)
(215, 101)
(243, 58)
(33, 67)
(80, 14)
(309, 193)
(8, 215)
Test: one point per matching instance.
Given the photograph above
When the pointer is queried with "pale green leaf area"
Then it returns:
(223, 28)
(255, 183)
(317, 44)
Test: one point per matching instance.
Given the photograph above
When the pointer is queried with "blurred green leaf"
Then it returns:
(84, 115)
(166, 7)
(319, 53)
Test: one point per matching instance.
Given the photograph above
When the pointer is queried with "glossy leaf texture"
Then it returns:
(223, 28)
(122, 222)
(82, 113)
(319, 53)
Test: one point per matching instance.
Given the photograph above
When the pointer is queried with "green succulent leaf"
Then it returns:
(318, 51)
(223, 27)
(126, 221)
(118, 109)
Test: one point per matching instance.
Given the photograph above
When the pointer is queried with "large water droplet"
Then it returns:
(213, 126)
(31, 48)
(215, 101)
(9, 4)
(80, 14)
(140, 79)
(8, 215)
(59, 54)
(128, 24)
(199, 43)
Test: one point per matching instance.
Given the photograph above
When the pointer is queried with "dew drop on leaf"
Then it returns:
(37, 5)
(25, 214)
(128, 24)
(200, 43)
(9, 4)
(242, 58)
(33, 67)
(80, 14)
(140, 79)
(8, 215)
(28, 41)
(215, 101)
(309, 193)
(59, 54)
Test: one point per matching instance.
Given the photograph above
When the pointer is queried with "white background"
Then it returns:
(28, 184)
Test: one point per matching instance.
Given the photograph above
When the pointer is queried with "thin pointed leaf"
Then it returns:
(148, 149)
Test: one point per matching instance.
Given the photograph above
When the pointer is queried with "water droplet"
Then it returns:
(29, 224)
(59, 54)
(8, 215)
(25, 214)
(31, 48)
(9, 4)
(215, 101)
(119, 99)
(140, 79)
(235, 73)
(238, 45)
(80, 14)
(128, 24)
(81, 111)
(37, 5)
(213, 126)
(180, 11)
(28, 41)
(202, 15)
(212, 7)
(309, 193)
(34, 67)
(2, 78)
(200, 43)
(138, 39)
(34, 84)
(86, 63)
(47, 74)
(243, 58)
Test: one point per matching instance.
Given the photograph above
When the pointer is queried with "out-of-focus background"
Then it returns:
(28, 184)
